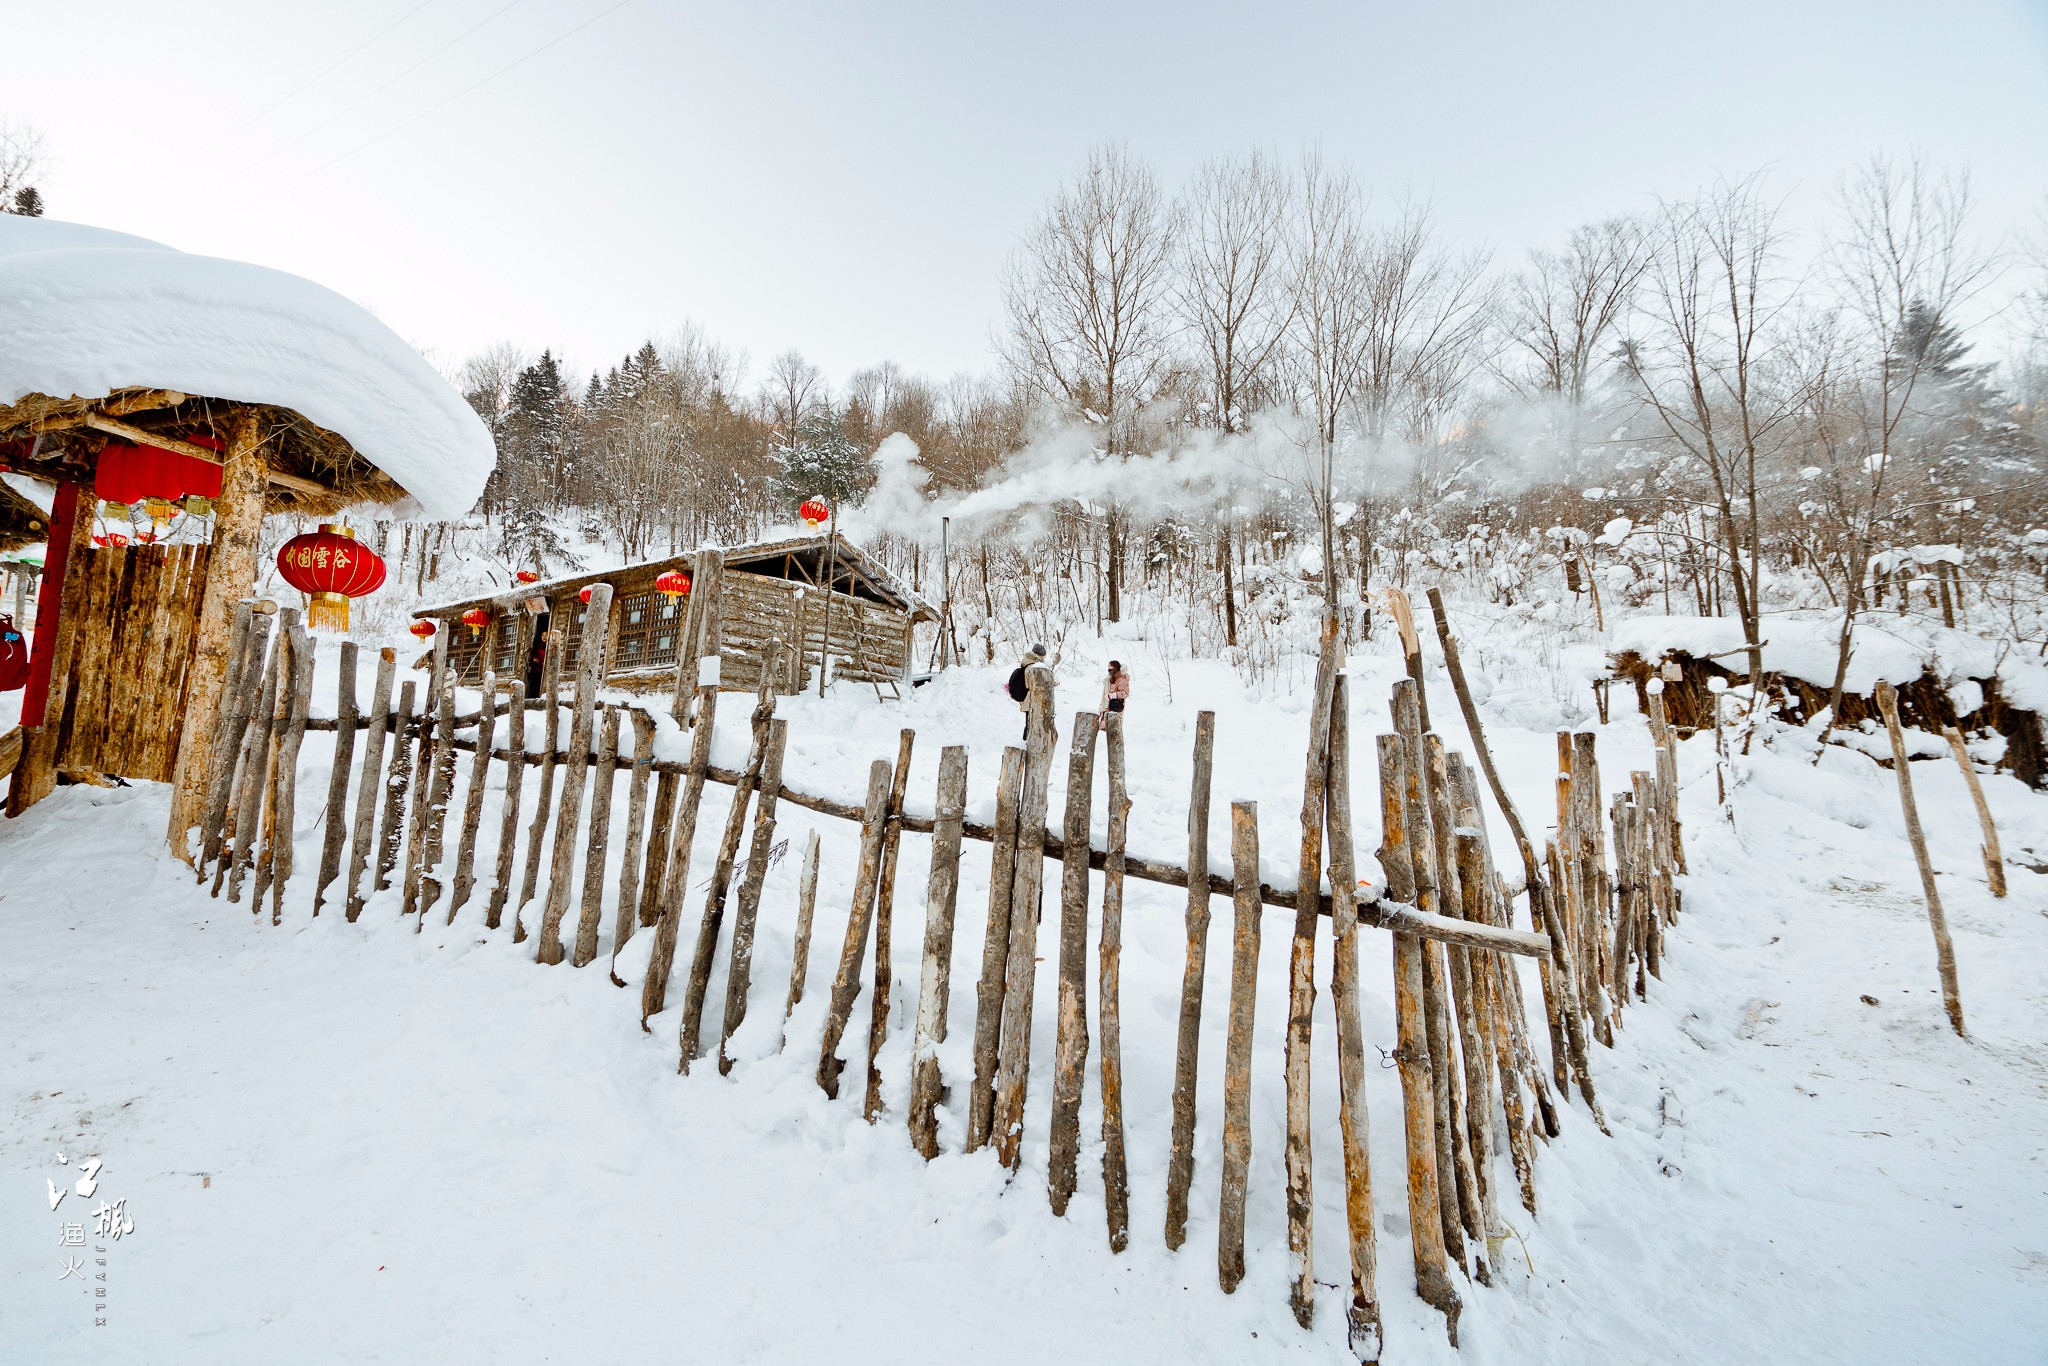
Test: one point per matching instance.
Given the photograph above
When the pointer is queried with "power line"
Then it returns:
(452, 98)
(386, 86)
(318, 75)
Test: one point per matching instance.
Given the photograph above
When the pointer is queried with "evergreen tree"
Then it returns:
(28, 202)
(822, 461)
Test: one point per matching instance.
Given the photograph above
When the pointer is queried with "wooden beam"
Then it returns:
(100, 422)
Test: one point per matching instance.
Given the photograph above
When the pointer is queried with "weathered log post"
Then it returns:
(589, 677)
(702, 629)
(1994, 858)
(655, 867)
(367, 784)
(1180, 1164)
(859, 922)
(536, 835)
(806, 906)
(627, 916)
(277, 853)
(1482, 1218)
(885, 906)
(336, 832)
(473, 798)
(1013, 1070)
(508, 826)
(420, 787)
(1362, 1318)
(1116, 1180)
(1237, 1048)
(1411, 1052)
(1070, 1024)
(739, 973)
(440, 791)
(247, 654)
(253, 769)
(935, 981)
(603, 777)
(676, 881)
(995, 949)
(1937, 919)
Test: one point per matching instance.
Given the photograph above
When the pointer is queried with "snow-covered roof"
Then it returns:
(85, 311)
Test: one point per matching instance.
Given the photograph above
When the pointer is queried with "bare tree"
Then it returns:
(793, 390)
(1561, 312)
(1231, 287)
(22, 162)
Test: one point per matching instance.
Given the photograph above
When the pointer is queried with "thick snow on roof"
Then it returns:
(85, 311)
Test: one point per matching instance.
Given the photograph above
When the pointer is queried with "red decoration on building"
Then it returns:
(330, 568)
(131, 474)
(527, 576)
(814, 512)
(583, 593)
(672, 585)
(476, 618)
(423, 629)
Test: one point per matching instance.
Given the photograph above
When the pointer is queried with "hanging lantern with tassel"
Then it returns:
(527, 576)
(423, 630)
(583, 594)
(814, 512)
(329, 567)
(672, 585)
(476, 618)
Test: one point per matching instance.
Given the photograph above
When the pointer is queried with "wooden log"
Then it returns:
(603, 778)
(1994, 858)
(1490, 1006)
(739, 973)
(440, 791)
(278, 851)
(655, 868)
(700, 625)
(1472, 1106)
(336, 833)
(397, 781)
(1562, 977)
(885, 902)
(1362, 1318)
(536, 835)
(562, 870)
(1070, 1025)
(705, 952)
(1180, 1165)
(676, 881)
(238, 701)
(1301, 984)
(1411, 1052)
(935, 981)
(1116, 1179)
(859, 921)
(254, 767)
(627, 916)
(1937, 919)
(368, 785)
(995, 949)
(437, 705)
(266, 837)
(473, 800)
(1237, 1048)
(1667, 773)
(508, 819)
(806, 905)
(1020, 972)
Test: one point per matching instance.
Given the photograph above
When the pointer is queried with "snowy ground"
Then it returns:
(354, 1143)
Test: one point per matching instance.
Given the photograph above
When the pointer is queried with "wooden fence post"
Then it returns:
(508, 826)
(1994, 858)
(1070, 1024)
(859, 921)
(1013, 1069)
(337, 777)
(551, 723)
(739, 973)
(806, 906)
(1116, 1181)
(603, 777)
(245, 662)
(367, 785)
(1237, 1051)
(440, 790)
(473, 798)
(277, 854)
(1937, 919)
(675, 883)
(935, 981)
(995, 950)
(1180, 1167)
(885, 904)
(589, 677)
(627, 916)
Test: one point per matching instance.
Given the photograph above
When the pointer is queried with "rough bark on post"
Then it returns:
(536, 835)
(995, 949)
(1994, 858)
(436, 701)
(655, 866)
(676, 881)
(336, 816)
(885, 905)
(1070, 1024)
(806, 905)
(1411, 1052)
(253, 769)
(603, 777)
(508, 826)
(589, 677)
(1667, 773)
(1116, 1180)
(627, 916)
(1020, 973)
(859, 921)
(440, 791)
(239, 705)
(700, 628)
(935, 980)
(1474, 1104)
(1180, 1164)
(1472, 884)
(739, 973)
(1237, 1048)
(1362, 1318)
(277, 854)
(1937, 919)
(473, 799)
(367, 784)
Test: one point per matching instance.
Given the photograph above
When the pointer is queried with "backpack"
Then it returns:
(13, 657)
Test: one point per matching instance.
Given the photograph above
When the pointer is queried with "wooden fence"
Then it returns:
(1599, 904)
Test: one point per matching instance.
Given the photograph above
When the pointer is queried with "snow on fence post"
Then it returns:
(473, 798)
(397, 777)
(806, 906)
(935, 980)
(1180, 1164)
(675, 882)
(1472, 1104)
(739, 972)
(995, 949)
(562, 868)
(1994, 858)
(1937, 919)
(1237, 1050)
(366, 786)
(1013, 1068)
(508, 820)
(885, 904)
(1411, 1052)
(1116, 1180)
(603, 777)
(345, 718)
(1070, 1022)
(859, 921)
(245, 658)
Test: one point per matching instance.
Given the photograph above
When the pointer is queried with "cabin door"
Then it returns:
(131, 652)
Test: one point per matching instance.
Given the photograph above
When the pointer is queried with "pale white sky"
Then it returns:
(848, 179)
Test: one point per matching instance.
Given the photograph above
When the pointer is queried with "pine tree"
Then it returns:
(28, 202)
(822, 461)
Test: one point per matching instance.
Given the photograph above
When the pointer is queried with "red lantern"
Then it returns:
(583, 593)
(527, 576)
(423, 629)
(330, 568)
(476, 618)
(672, 585)
(814, 512)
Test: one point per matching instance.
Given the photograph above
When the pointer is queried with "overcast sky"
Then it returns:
(848, 179)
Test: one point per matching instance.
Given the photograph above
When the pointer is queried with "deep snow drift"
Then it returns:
(357, 1143)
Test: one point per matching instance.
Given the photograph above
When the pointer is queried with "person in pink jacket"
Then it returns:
(1117, 690)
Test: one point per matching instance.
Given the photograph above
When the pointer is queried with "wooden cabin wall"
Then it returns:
(874, 636)
(131, 664)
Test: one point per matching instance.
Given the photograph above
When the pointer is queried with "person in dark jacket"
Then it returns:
(1020, 687)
